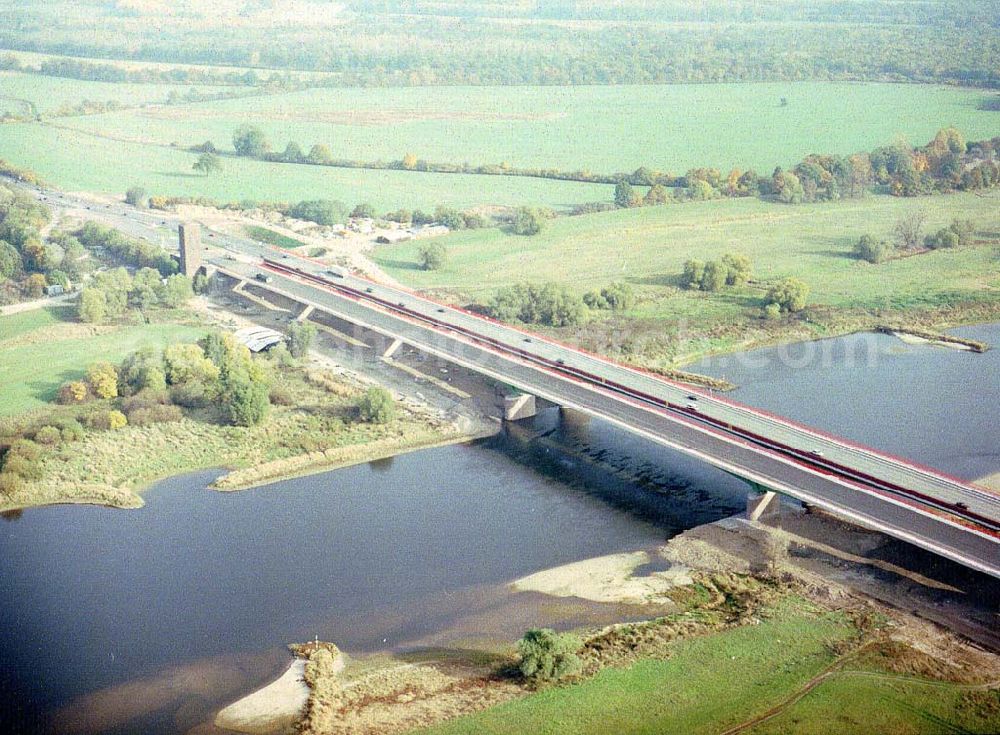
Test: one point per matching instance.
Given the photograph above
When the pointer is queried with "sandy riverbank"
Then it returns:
(608, 578)
(913, 339)
(275, 708)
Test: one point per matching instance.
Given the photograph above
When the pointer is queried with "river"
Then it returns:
(118, 621)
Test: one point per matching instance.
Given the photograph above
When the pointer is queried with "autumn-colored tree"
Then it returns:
(102, 377)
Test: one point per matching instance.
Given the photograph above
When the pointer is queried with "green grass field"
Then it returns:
(863, 704)
(78, 162)
(39, 351)
(263, 234)
(647, 247)
(48, 94)
(715, 682)
(707, 685)
(601, 128)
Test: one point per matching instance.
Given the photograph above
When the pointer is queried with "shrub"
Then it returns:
(790, 295)
(364, 211)
(92, 306)
(102, 377)
(145, 399)
(714, 277)
(943, 238)
(618, 296)
(772, 311)
(548, 656)
(75, 391)
(527, 221)
(694, 271)
(377, 406)
(105, 420)
(320, 211)
(872, 250)
(71, 430)
(300, 338)
(551, 304)
(137, 197)
(245, 401)
(738, 267)
(34, 285)
(48, 435)
(432, 256)
(281, 396)
(156, 414)
(24, 460)
(192, 394)
(10, 484)
(280, 356)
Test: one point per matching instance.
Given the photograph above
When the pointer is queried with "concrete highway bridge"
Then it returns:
(912, 503)
(899, 498)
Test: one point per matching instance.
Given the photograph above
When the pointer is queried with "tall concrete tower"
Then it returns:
(190, 242)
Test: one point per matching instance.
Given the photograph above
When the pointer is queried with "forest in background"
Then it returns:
(418, 42)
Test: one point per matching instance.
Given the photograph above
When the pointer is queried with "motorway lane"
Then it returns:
(893, 517)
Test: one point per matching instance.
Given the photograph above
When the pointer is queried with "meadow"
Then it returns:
(715, 682)
(895, 705)
(648, 246)
(75, 161)
(49, 94)
(604, 129)
(41, 349)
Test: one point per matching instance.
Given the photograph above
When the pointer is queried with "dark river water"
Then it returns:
(150, 620)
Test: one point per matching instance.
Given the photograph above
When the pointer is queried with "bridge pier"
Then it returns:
(392, 348)
(520, 406)
(760, 504)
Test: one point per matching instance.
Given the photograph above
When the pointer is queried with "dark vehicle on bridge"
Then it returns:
(263, 278)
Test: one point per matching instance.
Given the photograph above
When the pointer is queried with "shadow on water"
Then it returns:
(652, 483)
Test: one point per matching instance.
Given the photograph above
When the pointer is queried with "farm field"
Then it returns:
(48, 94)
(648, 246)
(604, 129)
(40, 350)
(75, 161)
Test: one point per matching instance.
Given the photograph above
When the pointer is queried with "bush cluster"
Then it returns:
(734, 269)
(551, 304)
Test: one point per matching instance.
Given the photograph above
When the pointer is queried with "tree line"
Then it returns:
(946, 163)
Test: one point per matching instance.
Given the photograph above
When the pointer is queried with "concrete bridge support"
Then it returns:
(392, 348)
(304, 314)
(520, 406)
(762, 504)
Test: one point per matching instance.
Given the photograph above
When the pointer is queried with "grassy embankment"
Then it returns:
(713, 683)
(647, 247)
(263, 234)
(39, 350)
